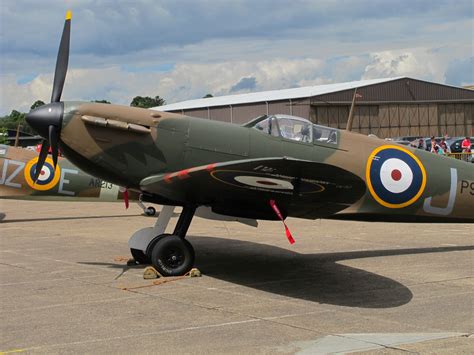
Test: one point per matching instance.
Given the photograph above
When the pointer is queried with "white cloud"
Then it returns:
(120, 52)
(194, 80)
(423, 63)
(389, 64)
(21, 97)
(185, 81)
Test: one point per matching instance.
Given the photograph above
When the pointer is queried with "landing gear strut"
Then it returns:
(170, 254)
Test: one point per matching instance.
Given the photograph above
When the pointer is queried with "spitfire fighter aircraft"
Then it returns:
(66, 182)
(271, 168)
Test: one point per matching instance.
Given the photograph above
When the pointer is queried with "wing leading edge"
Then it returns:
(243, 188)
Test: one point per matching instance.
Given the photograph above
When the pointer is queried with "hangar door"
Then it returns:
(394, 120)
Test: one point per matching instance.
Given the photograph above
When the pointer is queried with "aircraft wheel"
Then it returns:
(150, 211)
(140, 257)
(172, 256)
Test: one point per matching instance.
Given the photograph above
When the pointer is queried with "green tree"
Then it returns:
(36, 104)
(147, 102)
(3, 135)
(15, 118)
(208, 95)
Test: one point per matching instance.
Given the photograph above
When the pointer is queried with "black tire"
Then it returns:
(150, 211)
(172, 256)
(140, 257)
(152, 243)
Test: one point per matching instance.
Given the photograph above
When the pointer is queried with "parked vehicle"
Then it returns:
(455, 144)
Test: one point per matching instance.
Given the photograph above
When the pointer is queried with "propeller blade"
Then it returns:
(62, 60)
(41, 159)
(53, 141)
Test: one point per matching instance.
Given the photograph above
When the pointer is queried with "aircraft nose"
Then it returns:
(41, 118)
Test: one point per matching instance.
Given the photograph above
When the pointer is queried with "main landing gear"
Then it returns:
(170, 254)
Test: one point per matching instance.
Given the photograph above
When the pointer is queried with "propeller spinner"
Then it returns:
(47, 119)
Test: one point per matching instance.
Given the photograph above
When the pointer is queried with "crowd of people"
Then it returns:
(441, 146)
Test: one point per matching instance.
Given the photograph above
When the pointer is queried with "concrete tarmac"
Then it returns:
(343, 287)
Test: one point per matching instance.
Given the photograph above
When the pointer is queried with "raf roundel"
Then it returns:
(263, 182)
(48, 177)
(395, 177)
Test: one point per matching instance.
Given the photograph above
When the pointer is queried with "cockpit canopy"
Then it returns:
(294, 128)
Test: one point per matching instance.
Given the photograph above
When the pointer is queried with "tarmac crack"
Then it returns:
(19, 267)
(227, 311)
(75, 264)
(440, 281)
(388, 347)
(130, 336)
(73, 304)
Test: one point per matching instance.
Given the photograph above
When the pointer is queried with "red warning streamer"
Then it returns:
(124, 191)
(278, 213)
(125, 198)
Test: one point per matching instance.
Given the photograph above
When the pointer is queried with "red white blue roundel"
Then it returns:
(263, 182)
(395, 176)
(48, 177)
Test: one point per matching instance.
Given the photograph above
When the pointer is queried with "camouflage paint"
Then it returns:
(176, 142)
(66, 183)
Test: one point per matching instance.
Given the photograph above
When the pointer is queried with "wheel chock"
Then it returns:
(151, 273)
(195, 272)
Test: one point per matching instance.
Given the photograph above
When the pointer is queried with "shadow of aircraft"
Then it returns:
(311, 277)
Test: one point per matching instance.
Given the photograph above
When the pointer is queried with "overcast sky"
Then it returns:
(183, 49)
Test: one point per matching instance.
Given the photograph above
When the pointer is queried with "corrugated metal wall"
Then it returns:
(220, 113)
(393, 120)
(403, 107)
(199, 112)
(402, 90)
(244, 113)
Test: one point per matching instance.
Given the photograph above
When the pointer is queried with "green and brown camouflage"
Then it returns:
(65, 183)
(173, 159)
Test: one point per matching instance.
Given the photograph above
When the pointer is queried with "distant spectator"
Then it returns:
(438, 150)
(444, 146)
(466, 145)
(433, 145)
(421, 144)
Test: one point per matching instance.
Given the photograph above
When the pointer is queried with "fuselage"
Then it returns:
(65, 183)
(124, 145)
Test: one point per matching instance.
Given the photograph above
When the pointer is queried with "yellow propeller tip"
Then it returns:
(68, 14)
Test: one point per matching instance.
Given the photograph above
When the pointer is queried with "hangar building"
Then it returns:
(389, 107)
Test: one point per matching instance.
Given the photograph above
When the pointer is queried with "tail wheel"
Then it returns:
(150, 211)
(172, 256)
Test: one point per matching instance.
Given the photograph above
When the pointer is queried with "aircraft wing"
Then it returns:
(244, 188)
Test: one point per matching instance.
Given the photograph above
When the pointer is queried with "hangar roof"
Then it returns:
(274, 95)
